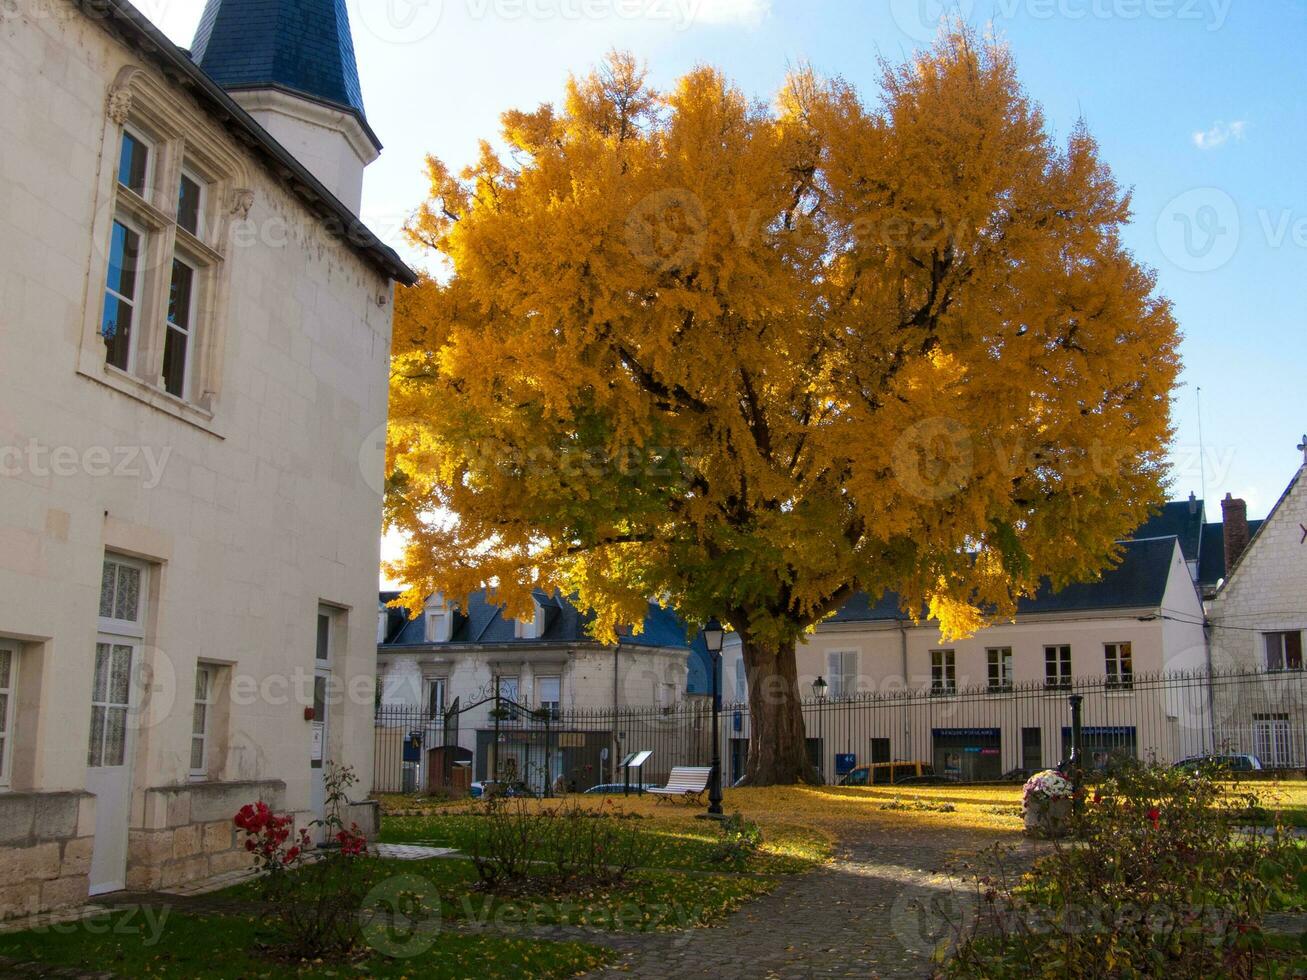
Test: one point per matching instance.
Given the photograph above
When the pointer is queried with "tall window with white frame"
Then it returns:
(157, 346)
(943, 672)
(8, 687)
(1057, 667)
(202, 721)
(842, 665)
(1000, 668)
(117, 647)
(436, 696)
(1284, 650)
(550, 694)
(1119, 659)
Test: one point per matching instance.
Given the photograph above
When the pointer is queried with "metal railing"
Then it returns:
(973, 734)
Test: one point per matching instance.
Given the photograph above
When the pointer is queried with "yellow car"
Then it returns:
(883, 773)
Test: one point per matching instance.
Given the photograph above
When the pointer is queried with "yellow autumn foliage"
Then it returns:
(749, 358)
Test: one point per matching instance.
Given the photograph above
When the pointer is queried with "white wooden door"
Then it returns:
(321, 719)
(109, 758)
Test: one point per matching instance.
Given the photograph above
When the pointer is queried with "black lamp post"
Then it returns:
(819, 689)
(713, 634)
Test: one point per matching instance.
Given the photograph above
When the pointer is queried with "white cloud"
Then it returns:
(1220, 134)
(752, 12)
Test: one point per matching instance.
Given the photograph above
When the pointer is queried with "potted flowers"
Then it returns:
(1046, 803)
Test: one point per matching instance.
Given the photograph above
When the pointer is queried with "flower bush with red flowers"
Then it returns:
(314, 892)
(1163, 880)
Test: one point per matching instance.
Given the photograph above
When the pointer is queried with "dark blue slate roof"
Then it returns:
(1138, 582)
(1181, 519)
(480, 621)
(301, 45)
(1211, 564)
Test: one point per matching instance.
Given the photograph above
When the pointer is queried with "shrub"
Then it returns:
(1161, 881)
(918, 806)
(521, 846)
(314, 894)
(740, 840)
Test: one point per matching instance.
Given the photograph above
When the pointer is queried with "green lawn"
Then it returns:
(649, 901)
(675, 841)
(218, 947)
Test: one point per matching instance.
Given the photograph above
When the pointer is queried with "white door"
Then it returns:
(109, 752)
(109, 758)
(321, 709)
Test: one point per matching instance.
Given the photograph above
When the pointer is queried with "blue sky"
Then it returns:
(1197, 104)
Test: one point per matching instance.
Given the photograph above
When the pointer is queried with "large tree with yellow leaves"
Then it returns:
(748, 359)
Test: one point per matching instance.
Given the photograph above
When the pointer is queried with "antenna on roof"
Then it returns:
(1202, 454)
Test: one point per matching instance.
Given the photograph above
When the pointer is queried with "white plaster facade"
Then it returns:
(889, 664)
(248, 501)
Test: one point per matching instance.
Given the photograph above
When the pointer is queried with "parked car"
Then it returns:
(928, 779)
(490, 787)
(1234, 763)
(886, 773)
(619, 787)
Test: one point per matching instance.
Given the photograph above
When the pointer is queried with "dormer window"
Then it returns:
(439, 620)
(531, 629)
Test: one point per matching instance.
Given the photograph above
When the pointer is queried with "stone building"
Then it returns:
(1258, 618)
(195, 340)
(978, 707)
(454, 655)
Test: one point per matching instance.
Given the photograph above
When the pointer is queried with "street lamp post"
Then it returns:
(819, 689)
(713, 634)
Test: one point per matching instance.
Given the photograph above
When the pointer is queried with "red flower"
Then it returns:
(1155, 816)
(1098, 797)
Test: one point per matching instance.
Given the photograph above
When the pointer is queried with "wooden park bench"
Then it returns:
(685, 782)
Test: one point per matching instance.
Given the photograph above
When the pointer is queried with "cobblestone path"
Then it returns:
(872, 912)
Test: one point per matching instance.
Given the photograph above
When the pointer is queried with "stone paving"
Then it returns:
(875, 911)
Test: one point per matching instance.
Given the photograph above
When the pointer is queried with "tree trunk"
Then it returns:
(778, 753)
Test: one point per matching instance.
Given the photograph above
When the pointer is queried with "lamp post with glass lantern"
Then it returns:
(713, 634)
(819, 689)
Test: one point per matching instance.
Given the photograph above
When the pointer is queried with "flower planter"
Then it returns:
(1049, 818)
(1047, 803)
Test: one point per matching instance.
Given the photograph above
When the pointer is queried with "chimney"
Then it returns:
(1193, 504)
(1234, 513)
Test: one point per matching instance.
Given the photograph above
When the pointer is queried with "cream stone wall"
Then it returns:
(262, 501)
(893, 658)
(1267, 589)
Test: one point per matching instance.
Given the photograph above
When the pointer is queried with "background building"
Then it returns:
(1258, 618)
(438, 674)
(979, 707)
(196, 334)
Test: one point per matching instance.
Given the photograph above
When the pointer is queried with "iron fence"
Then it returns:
(974, 734)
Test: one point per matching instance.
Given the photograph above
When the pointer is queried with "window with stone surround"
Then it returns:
(1119, 659)
(159, 256)
(1284, 650)
(8, 688)
(842, 665)
(943, 672)
(1057, 667)
(202, 720)
(1000, 668)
